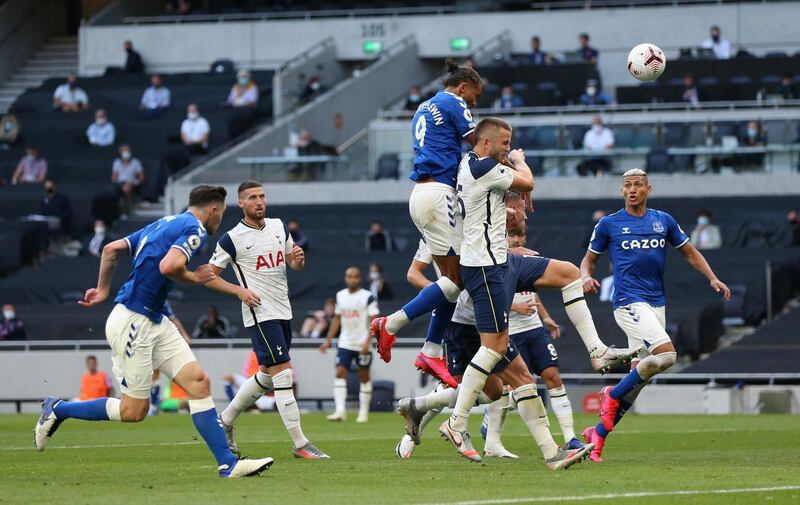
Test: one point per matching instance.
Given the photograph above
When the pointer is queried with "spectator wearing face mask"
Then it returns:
(299, 237)
(507, 99)
(57, 206)
(32, 168)
(127, 175)
(598, 138)
(706, 235)
(722, 47)
(245, 92)
(101, 132)
(593, 95)
(413, 100)
(156, 98)
(312, 89)
(11, 328)
(379, 288)
(753, 136)
(195, 131)
(69, 97)
(95, 244)
(691, 93)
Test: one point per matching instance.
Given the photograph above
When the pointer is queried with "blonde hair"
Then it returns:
(634, 172)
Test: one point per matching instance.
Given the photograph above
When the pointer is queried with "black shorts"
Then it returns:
(271, 341)
(462, 341)
(346, 357)
(537, 349)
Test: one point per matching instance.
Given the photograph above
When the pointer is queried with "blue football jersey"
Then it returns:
(145, 291)
(438, 128)
(638, 248)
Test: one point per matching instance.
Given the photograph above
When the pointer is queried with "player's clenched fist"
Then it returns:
(297, 254)
(205, 273)
(590, 285)
(93, 297)
(516, 156)
(249, 297)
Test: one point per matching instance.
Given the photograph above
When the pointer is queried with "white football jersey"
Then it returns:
(517, 323)
(423, 255)
(356, 311)
(465, 311)
(482, 186)
(258, 256)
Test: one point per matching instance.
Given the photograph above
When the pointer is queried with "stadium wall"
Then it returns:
(759, 27)
(24, 26)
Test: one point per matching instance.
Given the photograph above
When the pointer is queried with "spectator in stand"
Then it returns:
(792, 228)
(316, 322)
(245, 92)
(596, 217)
(184, 7)
(195, 131)
(753, 137)
(127, 174)
(537, 56)
(56, 205)
(507, 99)
(156, 98)
(593, 95)
(133, 60)
(306, 145)
(722, 47)
(378, 286)
(788, 88)
(413, 100)
(212, 325)
(312, 89)
(297, 234)
(706, 235)
(94, 246)
(69, 97)
(94, 383)
(378, 238)
(101, 132)
(32, 168)
(589, 53)
(691, 93)
(11, 328)
(598, 138)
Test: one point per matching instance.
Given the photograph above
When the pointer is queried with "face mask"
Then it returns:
(413, 98)
(101, 121)
(193, 115)
(72, 85)
(752, 132)
(702, 220)
(243, 81)
(715, 38)
(99, 230)
(597, 127)
(8, 314)
(126, 155)
(374, 276)
(591, 91)
(315, 86)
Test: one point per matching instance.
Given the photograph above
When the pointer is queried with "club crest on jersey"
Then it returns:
(626, 230)
(270, 261)
(658, 227)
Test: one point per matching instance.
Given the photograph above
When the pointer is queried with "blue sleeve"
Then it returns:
(133, 241)
(675, 235)
(191, 238)
(599, 241)
(461, 116)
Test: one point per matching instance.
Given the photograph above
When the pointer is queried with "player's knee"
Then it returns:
(199, 386)
(551, 377)
(665, 360)
(568, 272)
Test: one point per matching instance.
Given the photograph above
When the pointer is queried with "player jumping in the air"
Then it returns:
(355, 309)
(483, 180)
(259, 250)
(143, 339)
(438, 128)
(637, 238)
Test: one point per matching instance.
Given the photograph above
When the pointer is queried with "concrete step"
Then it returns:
(61, 45)
(33, 74)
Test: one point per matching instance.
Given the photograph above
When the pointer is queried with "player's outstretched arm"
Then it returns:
(333, 329)
(415, 275)
(108, 264)
(588, 266)
(699, 263)
(297, 258)
(220, 285)
(173, 266)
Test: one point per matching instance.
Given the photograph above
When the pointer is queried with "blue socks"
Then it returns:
(229, 392)
(210, 428)
(428, 299)
(90, 410)
(440, 318)
(601, 430)
(626, 385)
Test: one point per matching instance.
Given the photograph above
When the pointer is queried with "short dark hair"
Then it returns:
(536, 38)
(457, 74)
(205, 194)
(705, 212)
(248, 185)
(91, 356)
(584, 35)
(488, 123)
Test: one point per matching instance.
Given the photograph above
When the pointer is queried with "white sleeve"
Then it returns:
(185, 127)
(220, 258)
(338, 309)
(423, 254)
(372, 307)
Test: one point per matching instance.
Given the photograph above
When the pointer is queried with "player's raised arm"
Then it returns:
(699, 263)
(297, 258)
(108, 264)
(523, 177)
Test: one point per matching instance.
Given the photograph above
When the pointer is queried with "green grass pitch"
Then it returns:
(649, 459)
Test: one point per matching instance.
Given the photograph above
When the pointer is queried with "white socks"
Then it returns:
(581, 318)
(431, 349)
(559, 402)
(112, 409)
(496, 412)
(364, 398)
(340, 395)
(396, 321)
(472, 385)
(197, 406)
(437, 399)
(251, 391)
(287, 406)
(532, 411)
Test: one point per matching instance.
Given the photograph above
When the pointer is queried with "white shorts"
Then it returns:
(643, 324)
(434, 209)
(139, 346)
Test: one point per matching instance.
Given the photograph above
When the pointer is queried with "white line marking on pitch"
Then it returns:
(643, 494)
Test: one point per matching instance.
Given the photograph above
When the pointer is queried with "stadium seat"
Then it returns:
(222, 67)
(734, 308)
(658, 161)
(388, 166)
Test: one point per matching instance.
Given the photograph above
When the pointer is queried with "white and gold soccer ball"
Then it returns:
(646, 62)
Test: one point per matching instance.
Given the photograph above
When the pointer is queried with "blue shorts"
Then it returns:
(271, 341)
(346, 357)
(462, 341)
(492, 288)
(537, 349)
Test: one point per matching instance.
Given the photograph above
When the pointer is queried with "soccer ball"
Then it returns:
(646, 62)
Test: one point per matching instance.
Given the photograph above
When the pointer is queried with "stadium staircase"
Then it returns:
(57, 58)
